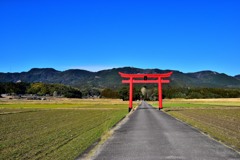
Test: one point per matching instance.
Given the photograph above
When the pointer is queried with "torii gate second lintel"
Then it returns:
(154, 78)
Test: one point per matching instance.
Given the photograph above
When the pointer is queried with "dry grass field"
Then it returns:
(55, 129)
(219, 118)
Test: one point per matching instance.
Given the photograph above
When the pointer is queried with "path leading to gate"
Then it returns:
(152, 134)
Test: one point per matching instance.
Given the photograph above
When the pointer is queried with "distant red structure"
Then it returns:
(145, 78)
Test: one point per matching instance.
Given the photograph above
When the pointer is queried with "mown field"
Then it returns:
(219, 118)
(55, 129)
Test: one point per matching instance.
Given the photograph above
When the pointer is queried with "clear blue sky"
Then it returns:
(185, 35)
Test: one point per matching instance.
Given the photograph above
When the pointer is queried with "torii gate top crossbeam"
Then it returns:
(163, 75)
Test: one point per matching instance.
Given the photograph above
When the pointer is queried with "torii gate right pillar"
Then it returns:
(130, 94)
(160, 93)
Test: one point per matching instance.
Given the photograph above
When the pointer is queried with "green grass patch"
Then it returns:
(53, 134)
(54, 131)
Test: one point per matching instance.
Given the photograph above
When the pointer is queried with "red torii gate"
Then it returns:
(154, 78)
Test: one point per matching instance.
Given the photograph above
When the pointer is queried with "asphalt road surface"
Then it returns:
(152, 134)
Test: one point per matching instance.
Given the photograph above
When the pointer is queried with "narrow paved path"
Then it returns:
(152, 134)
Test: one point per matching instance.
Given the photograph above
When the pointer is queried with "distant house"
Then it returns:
(19, 81)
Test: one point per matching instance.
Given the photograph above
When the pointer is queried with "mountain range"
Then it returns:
(111, 79)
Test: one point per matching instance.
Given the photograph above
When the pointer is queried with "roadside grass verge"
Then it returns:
(219, 118)
(198, 103)
(55, 130)
(64, 103)
(63, 106)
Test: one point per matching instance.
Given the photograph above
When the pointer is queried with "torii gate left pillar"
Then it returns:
(154, 78)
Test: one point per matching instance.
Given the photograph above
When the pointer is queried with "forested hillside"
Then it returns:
(111, 79)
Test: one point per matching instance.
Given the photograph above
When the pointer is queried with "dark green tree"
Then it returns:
(109, 93)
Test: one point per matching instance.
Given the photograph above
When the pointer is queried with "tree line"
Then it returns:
(190, 93)
(187, 93)
(40, 89)
(139, 92)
